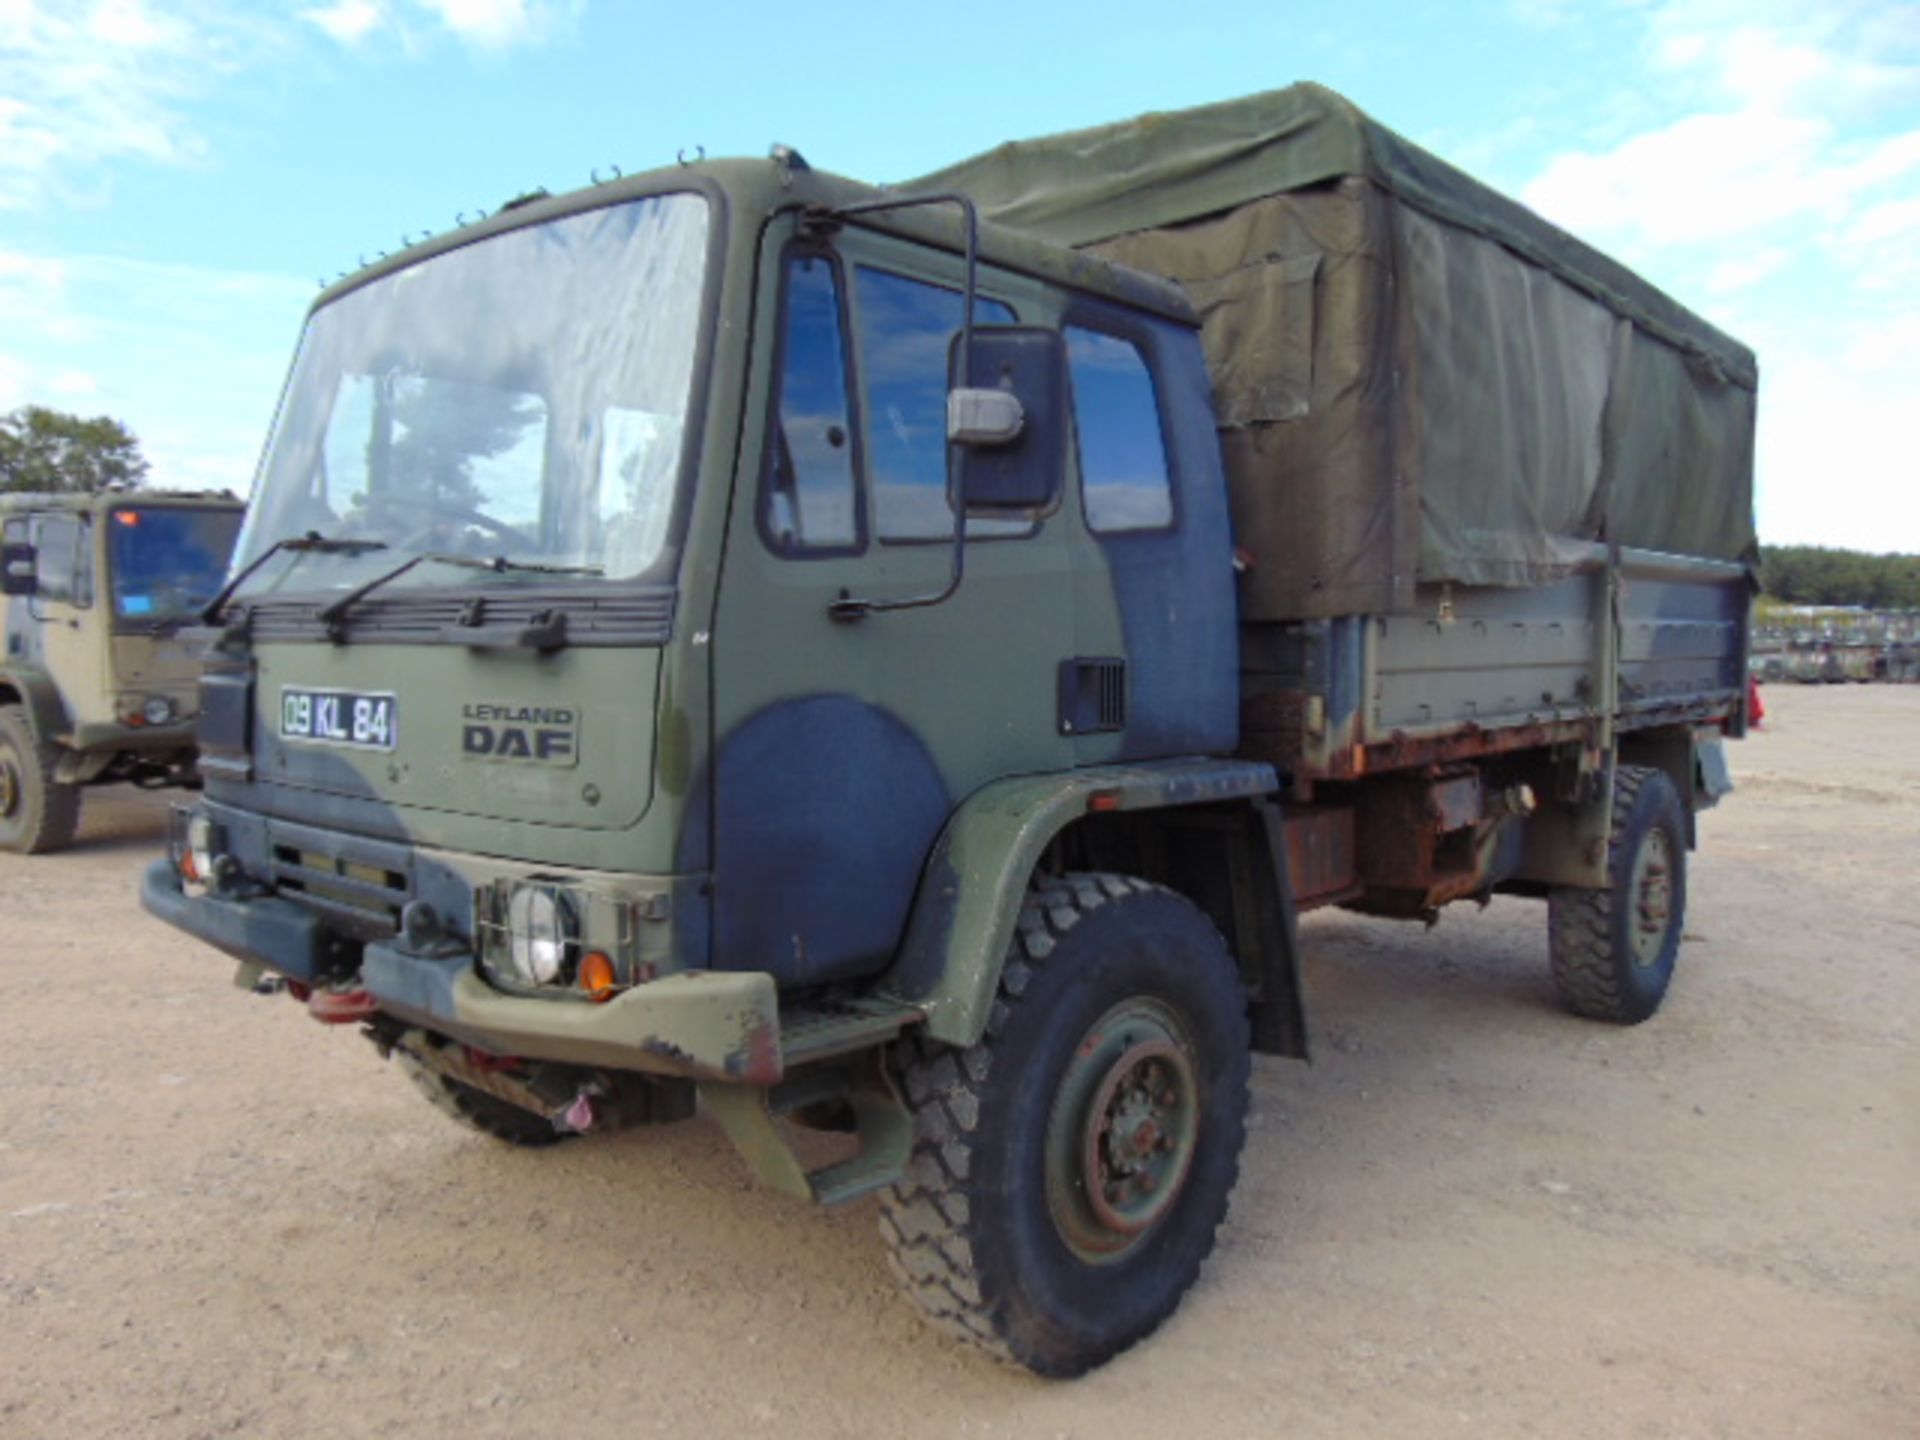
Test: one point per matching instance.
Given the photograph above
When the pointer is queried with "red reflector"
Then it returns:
(340, 1007)
(126, 517)
(1104, 800)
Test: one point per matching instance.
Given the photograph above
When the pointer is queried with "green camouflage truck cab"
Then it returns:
(737, 632)
(95, 684)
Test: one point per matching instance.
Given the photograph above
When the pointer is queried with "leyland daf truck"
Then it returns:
(904, 659)
(96, 685)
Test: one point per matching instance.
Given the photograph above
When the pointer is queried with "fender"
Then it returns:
(970, 894)
(41, 699)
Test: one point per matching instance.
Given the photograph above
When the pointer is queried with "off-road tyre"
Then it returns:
(1613, 950)
(38, 814)
(973, 1228)
(477, 1110)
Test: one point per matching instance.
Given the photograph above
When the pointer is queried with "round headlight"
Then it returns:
(538, 922)
(157, 711)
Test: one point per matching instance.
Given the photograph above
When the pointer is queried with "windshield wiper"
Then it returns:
(500, 564)
(312, 541)
(334, 615)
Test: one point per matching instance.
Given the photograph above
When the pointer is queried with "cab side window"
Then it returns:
(1123, 454)
(906, 334)
(809, 501)
(60, 560)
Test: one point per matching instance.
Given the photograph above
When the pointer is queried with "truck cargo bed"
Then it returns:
(1639, 640)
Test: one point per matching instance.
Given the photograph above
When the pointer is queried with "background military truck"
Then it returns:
(95, 684)
(733, 629)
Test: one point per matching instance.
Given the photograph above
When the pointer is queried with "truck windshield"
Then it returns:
(523, 397)
(163, 565)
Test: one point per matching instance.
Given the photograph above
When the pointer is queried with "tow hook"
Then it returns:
(341, 1007)
(577, 1116)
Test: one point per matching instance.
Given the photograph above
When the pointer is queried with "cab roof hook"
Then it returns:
(790, 161)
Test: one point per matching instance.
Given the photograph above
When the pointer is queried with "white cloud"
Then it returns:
(486, 22)
(129, 24)
(16, 383)
(88, 83)
(348, 21)
(1704, 178)
(1783, 198)
(483, 24)
(74, 385)
(1747, 268)
(189, 358)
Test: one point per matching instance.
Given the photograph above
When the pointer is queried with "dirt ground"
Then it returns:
(1472, 1215)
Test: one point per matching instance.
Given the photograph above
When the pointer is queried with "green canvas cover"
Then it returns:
(1416, 378)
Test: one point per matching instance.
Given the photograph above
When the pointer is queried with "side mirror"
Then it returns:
(1006, 418)
(17, 570)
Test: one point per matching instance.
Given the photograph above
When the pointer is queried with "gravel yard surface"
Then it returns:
(1473, 1215)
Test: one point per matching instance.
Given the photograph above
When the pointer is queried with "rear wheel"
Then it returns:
(1614, 949)
(37, 812)
(1070, 1170)
(477, 1110)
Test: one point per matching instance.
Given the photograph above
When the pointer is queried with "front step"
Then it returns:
(881, 1123)
(842, 1027)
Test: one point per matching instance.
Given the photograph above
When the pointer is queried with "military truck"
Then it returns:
(96, 687)
(901, 660)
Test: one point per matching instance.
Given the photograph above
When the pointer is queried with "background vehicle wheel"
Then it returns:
(37, 813)
(1614, 949)
(1070, 1170)
(480, 1111)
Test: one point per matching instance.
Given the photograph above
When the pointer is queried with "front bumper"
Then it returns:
(265, 929)
(701, 1024)
(179, 734)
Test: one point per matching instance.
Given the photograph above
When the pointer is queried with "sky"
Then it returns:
(178, 177)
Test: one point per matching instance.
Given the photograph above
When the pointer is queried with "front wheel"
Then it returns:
(37, 812)
(1614, 949)
(1070, 1170)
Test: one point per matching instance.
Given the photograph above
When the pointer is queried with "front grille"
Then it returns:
(359, 885)
(638, 616)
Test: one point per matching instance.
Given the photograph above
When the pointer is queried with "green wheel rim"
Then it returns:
(1123, 1129)
(1650, 898)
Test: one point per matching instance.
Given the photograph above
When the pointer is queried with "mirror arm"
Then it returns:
(852, 607)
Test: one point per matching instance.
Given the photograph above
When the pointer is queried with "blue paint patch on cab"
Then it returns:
(824, 811)
(1174, 587)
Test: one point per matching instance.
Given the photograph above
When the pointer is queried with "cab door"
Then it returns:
(49, 630)
(842, 746)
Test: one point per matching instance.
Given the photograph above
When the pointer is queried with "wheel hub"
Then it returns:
(1652, 898)
(1121, 1136)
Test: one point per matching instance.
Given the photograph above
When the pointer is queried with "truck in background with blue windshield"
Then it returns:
(96, 685)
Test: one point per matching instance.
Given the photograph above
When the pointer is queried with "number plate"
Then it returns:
(339, 717)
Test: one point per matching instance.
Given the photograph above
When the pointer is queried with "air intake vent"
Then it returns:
(360, 885)
(1093, 696)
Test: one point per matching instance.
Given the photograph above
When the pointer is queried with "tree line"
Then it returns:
(50, 451)
(1819, 575)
